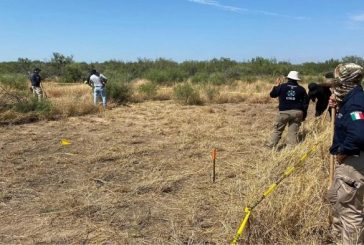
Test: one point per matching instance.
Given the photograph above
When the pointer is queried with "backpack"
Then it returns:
(103, 79)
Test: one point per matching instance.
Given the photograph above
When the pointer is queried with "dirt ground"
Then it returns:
(137, 174)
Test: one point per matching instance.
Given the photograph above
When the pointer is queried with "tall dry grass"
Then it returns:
(296, 212)
(70, 99)
(239, 91)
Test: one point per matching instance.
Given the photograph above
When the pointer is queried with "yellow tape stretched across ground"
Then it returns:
(270, 189)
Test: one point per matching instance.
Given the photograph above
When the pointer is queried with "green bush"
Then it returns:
(119, 92)
(217, 78)
(33, 105)
(15, 81)
(187, 95)
(211, 92)
(148, 89)
(72, 73)
(200, 78)
(166, 76)
(118, 75)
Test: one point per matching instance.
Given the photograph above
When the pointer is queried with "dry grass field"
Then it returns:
(141, 174)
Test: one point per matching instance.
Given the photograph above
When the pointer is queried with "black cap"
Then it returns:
(93, 71)
(37, 70)
(312, 86)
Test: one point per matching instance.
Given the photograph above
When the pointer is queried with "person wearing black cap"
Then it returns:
(36, 81)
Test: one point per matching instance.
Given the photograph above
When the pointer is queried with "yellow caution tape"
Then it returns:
(242, 226)
(289, 170)
(270, 190)
(304, 157)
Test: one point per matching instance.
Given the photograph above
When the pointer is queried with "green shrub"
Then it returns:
(232, 74)
(211, 92)
(200, 78)
(33, 105)
(165, 76)
(118, 75)
(186, 94)
(148, 89)
(217, 78)
(15, 81)
(72, 73)
(119, 92)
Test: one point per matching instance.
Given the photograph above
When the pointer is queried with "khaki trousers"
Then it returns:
(292, 118)
(346, 197)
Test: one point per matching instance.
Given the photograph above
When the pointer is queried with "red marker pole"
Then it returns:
(214, 153)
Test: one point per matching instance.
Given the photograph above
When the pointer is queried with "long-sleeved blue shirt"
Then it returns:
(349, 124)
(292, 96)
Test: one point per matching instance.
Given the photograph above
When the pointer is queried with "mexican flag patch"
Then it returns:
(357, 115)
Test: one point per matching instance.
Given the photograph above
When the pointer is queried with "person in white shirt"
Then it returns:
(98, 82)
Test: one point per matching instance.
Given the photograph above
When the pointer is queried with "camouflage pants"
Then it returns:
(292, 118)
(346, 197)
(38, 91)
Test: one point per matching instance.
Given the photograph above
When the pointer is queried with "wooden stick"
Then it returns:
(43, 91)
(214, 153)
(332, 160)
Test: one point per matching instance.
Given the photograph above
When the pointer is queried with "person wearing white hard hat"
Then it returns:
(293, 105)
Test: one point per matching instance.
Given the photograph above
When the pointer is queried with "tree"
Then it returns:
(59, 61)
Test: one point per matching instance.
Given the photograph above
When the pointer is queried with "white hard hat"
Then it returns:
(294, 75)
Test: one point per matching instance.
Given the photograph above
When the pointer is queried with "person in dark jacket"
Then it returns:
(293, 105)
(322, 94)
(36, 86)
(347, 191)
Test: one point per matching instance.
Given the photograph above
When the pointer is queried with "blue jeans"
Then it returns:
(100, 91)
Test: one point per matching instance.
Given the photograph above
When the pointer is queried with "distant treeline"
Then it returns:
(163, 71)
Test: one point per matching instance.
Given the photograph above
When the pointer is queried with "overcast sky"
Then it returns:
(98, 30)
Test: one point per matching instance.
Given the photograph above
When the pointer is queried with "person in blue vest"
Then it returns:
(347, 191)
(293, 105)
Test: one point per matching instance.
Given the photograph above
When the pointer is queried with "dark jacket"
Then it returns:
(322, 94)
(292, 96)
(35, 79)
(349, 131)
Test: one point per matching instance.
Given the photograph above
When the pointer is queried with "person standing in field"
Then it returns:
(293, 105)
(347, 191)
(321, 93)
(98, 82)
(36, 80)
